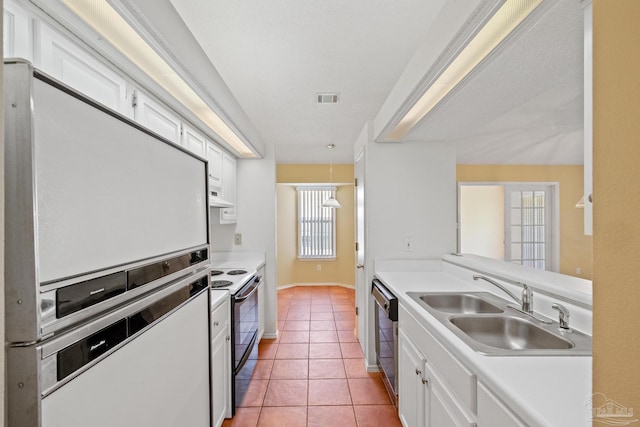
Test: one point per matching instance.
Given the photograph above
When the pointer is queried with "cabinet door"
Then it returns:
(16, 31)
(193, 140)
(492, 412)
(411, 390)
(444, 409)
(155, 117)
(228, 215)
(64, 60)
(220, 376)
(214, 156)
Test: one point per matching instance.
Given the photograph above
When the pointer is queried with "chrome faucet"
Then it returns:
(526, 303)
(529, 297)
(563, 313)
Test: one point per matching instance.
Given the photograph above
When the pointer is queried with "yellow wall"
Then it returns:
(616, 196)
(290, 270)
(575, 247)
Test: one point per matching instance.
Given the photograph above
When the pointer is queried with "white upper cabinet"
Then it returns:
(61, 58)
(155, 117)
(228, 215)
(16, 32)
(214, 156)
(193, 140)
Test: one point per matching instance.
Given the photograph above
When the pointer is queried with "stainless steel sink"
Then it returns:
(509, 332)
(488, 325)
(459, 303)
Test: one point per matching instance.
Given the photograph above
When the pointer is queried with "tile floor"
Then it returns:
(313, 374)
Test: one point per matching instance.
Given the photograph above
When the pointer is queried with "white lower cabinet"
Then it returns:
(449, 387)
(220, 364)
(444, 409)
(412, 401)
(423, 398)
(492, 412)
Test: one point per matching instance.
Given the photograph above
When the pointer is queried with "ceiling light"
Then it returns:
(331, 202)
(111, 26)
(505, 20)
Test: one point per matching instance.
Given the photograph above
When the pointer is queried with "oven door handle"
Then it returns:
(246, 354)
(243, 297)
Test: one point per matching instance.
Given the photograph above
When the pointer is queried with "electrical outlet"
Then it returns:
(319, 267)
(237, 238)
(408, 244)
(578, 270)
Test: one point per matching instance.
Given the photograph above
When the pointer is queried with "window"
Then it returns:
(316, 225)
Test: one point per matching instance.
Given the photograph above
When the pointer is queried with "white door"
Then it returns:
(528, 225)
(361, 277)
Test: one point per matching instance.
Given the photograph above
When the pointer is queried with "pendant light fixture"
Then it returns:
(331, 202)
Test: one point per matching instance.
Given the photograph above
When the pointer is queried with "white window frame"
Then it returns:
(311, 216)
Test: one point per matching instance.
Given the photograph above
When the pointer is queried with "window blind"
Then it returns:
(316, 225)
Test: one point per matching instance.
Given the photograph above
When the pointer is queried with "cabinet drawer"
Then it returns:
(220, 318)
(459, 379)
(492, 412)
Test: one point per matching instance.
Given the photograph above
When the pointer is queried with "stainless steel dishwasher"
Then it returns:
(386, 328)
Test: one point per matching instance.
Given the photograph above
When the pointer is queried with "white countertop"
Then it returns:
(543, 391)
(217, 297)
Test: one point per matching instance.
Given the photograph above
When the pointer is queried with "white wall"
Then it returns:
(410, 192)
(482, 220)
(256, 212)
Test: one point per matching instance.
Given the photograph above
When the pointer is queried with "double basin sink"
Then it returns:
(489, 326)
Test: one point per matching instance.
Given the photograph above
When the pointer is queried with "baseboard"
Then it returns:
(372, 368)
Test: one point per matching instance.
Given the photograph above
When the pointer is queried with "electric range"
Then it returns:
(231, 279)
(242, 285)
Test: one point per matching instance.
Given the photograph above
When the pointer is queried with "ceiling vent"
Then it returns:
(326, 98)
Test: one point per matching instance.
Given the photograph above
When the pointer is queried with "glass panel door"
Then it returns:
(528, 225)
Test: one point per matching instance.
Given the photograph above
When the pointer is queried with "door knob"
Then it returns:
(360, 266)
